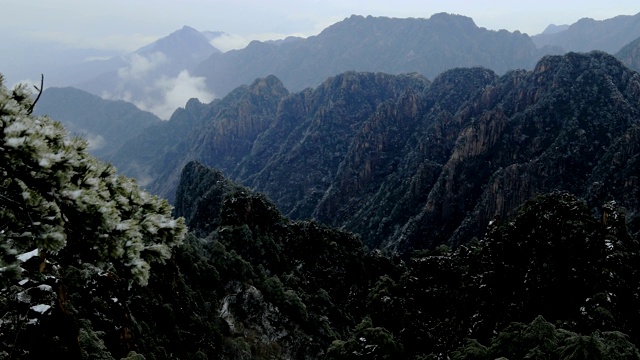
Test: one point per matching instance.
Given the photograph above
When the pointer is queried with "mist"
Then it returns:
(143, 82)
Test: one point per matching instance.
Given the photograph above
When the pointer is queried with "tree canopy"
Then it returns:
(69, 224)
(58, 199)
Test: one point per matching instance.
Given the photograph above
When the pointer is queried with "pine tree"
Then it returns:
(62, 210)
(67, 204)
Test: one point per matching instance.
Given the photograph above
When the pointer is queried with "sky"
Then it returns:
(119, 25)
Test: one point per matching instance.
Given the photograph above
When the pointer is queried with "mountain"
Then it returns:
(376, 44)
(554, 29)
(240, 117)
(94, 268)
(587, 34)
(105, 124)
(630, 54)
(155, 77)
(411, 164)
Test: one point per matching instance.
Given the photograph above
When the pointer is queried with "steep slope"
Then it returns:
(630, 54)
(106, 124)
(397, 154)
(268, 138)
(554, 261)
(529, 133)
(222, 131)
(300, 170)
(587, 34)
(377, 44)
(284, 288)
(136, 157)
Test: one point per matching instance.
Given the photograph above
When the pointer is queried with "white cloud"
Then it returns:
(96, 58)
(228, 42)
(175, 92)
(95, 141)
(28, 82)
(139, 83)
(139, 65)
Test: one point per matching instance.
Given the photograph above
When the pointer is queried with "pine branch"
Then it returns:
(39, 93)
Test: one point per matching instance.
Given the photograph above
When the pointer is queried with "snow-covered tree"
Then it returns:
(72, 208)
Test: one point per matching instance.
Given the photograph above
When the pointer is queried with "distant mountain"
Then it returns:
(376, 44)
(106, 124)
(630, 54)
(554, 29)
(156, 77)
(587, 34)
(407, 163)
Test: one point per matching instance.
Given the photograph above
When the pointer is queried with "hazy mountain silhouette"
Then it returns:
(630, 54)
(106, 124)
(378, 44)
(554, 29)
(587, 34)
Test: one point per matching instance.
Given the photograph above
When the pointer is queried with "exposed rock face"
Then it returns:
(545, 135)
(410, 164)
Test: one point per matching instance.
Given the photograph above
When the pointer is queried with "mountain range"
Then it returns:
(390, 157)
(408, 163)
(428, 46)
(587, 34)
(472, 214)
(162, 76)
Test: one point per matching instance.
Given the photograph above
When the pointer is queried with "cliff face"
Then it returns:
(411, 164)
(544, 135)
(220, 133)
(306, 163)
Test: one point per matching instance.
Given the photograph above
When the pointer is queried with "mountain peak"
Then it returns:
(554, 29)
(269, 85)
(461, 20)
(183, 41)
(188, 28)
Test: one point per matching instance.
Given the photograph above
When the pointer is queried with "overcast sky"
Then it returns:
(40, 35)
(127, 25)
